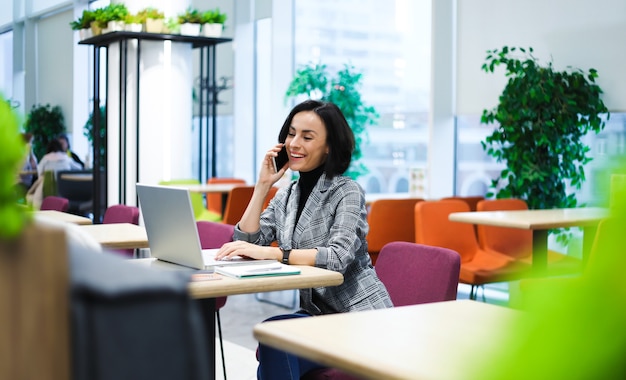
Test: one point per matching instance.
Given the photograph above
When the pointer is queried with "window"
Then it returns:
(390, 45)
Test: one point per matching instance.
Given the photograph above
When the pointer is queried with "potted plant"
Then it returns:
(190, 22)
(213, 23)
(133, 22)
(112, 17)
(343, 90)
(154, 19)
(541, 119)
(45, 123)
(83, 24)
(88, 133)
(172, 26)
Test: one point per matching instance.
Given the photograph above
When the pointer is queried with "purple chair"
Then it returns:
(122, 214)
(413, 274)
(55, 203)
(214, 235)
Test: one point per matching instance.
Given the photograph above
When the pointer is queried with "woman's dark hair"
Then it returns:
(54, 146)
(63, 136)
(339, 136)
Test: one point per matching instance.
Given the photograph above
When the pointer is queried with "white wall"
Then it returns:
(579, 33)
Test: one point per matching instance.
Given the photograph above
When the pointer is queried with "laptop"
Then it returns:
(171, 228)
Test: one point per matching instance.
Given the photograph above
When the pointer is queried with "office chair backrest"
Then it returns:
(432, 227)
(471, 200)
(238, 199)
(121, 214)
(214, 200)
(512, 242)
(52, 202)
(214, 235)
(416, 273)
(381, 232)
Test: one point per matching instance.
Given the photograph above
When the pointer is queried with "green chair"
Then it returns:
(197, 201)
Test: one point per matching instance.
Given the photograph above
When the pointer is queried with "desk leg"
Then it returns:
(208, 313)
(589, 234)
(540, 250)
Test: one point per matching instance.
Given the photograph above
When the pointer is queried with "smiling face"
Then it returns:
(306, 142)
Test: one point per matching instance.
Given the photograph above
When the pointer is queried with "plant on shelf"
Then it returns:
(84, 21)
(213, 23)
(45, 123)
(541, 118)
(112, 17)
(190, 22)
(154, 19)
(133, 22)
(12, 155)
(313, 81)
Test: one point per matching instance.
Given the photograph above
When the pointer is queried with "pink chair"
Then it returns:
(413, 274)
(122, 214)
(55, 203)
(214, 235)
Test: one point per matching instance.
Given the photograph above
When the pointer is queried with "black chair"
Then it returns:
(77, 186)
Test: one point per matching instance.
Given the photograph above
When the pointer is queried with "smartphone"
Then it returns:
(281, 159)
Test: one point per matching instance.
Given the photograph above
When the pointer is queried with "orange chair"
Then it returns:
(471, 200)
(214, 200)
(390, 220)
(518, 243)
(478, 267)
(238, 199)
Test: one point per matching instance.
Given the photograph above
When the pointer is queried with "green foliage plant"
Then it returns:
(191, 16)
(111, 12)
(13, 217)
(88, 131)
(343, 90)
(540, 120)
(151, 13)
(84, 21)
(213, 16)
(45, 123)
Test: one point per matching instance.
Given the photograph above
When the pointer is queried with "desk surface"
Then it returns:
(310, 277)
(118, 235)
(534, 219)
(429, 341)
(77, 176)
(62, 216)
(209, 187)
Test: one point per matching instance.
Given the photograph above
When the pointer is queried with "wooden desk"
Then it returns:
(62, 216)
(118, 235)
(77, 177)
(540, 221)
(223, 188)
(206, 291)
(430, 341)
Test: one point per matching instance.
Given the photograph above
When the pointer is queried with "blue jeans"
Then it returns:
(280, 365)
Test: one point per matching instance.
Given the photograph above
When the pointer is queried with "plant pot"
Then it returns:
(83, 34)
(154, 25)
(189, 29)
(133, 27)
(115, 26)
(212, 30)
(96, 30)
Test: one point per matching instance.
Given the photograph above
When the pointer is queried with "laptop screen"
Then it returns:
(170, 224)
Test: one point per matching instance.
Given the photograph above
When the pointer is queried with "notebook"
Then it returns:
(250, 271)
(171, 228)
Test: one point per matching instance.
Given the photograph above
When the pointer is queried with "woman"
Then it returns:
(318, 220)
(56, 159)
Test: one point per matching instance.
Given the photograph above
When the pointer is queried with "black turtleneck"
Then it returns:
(306, 183)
